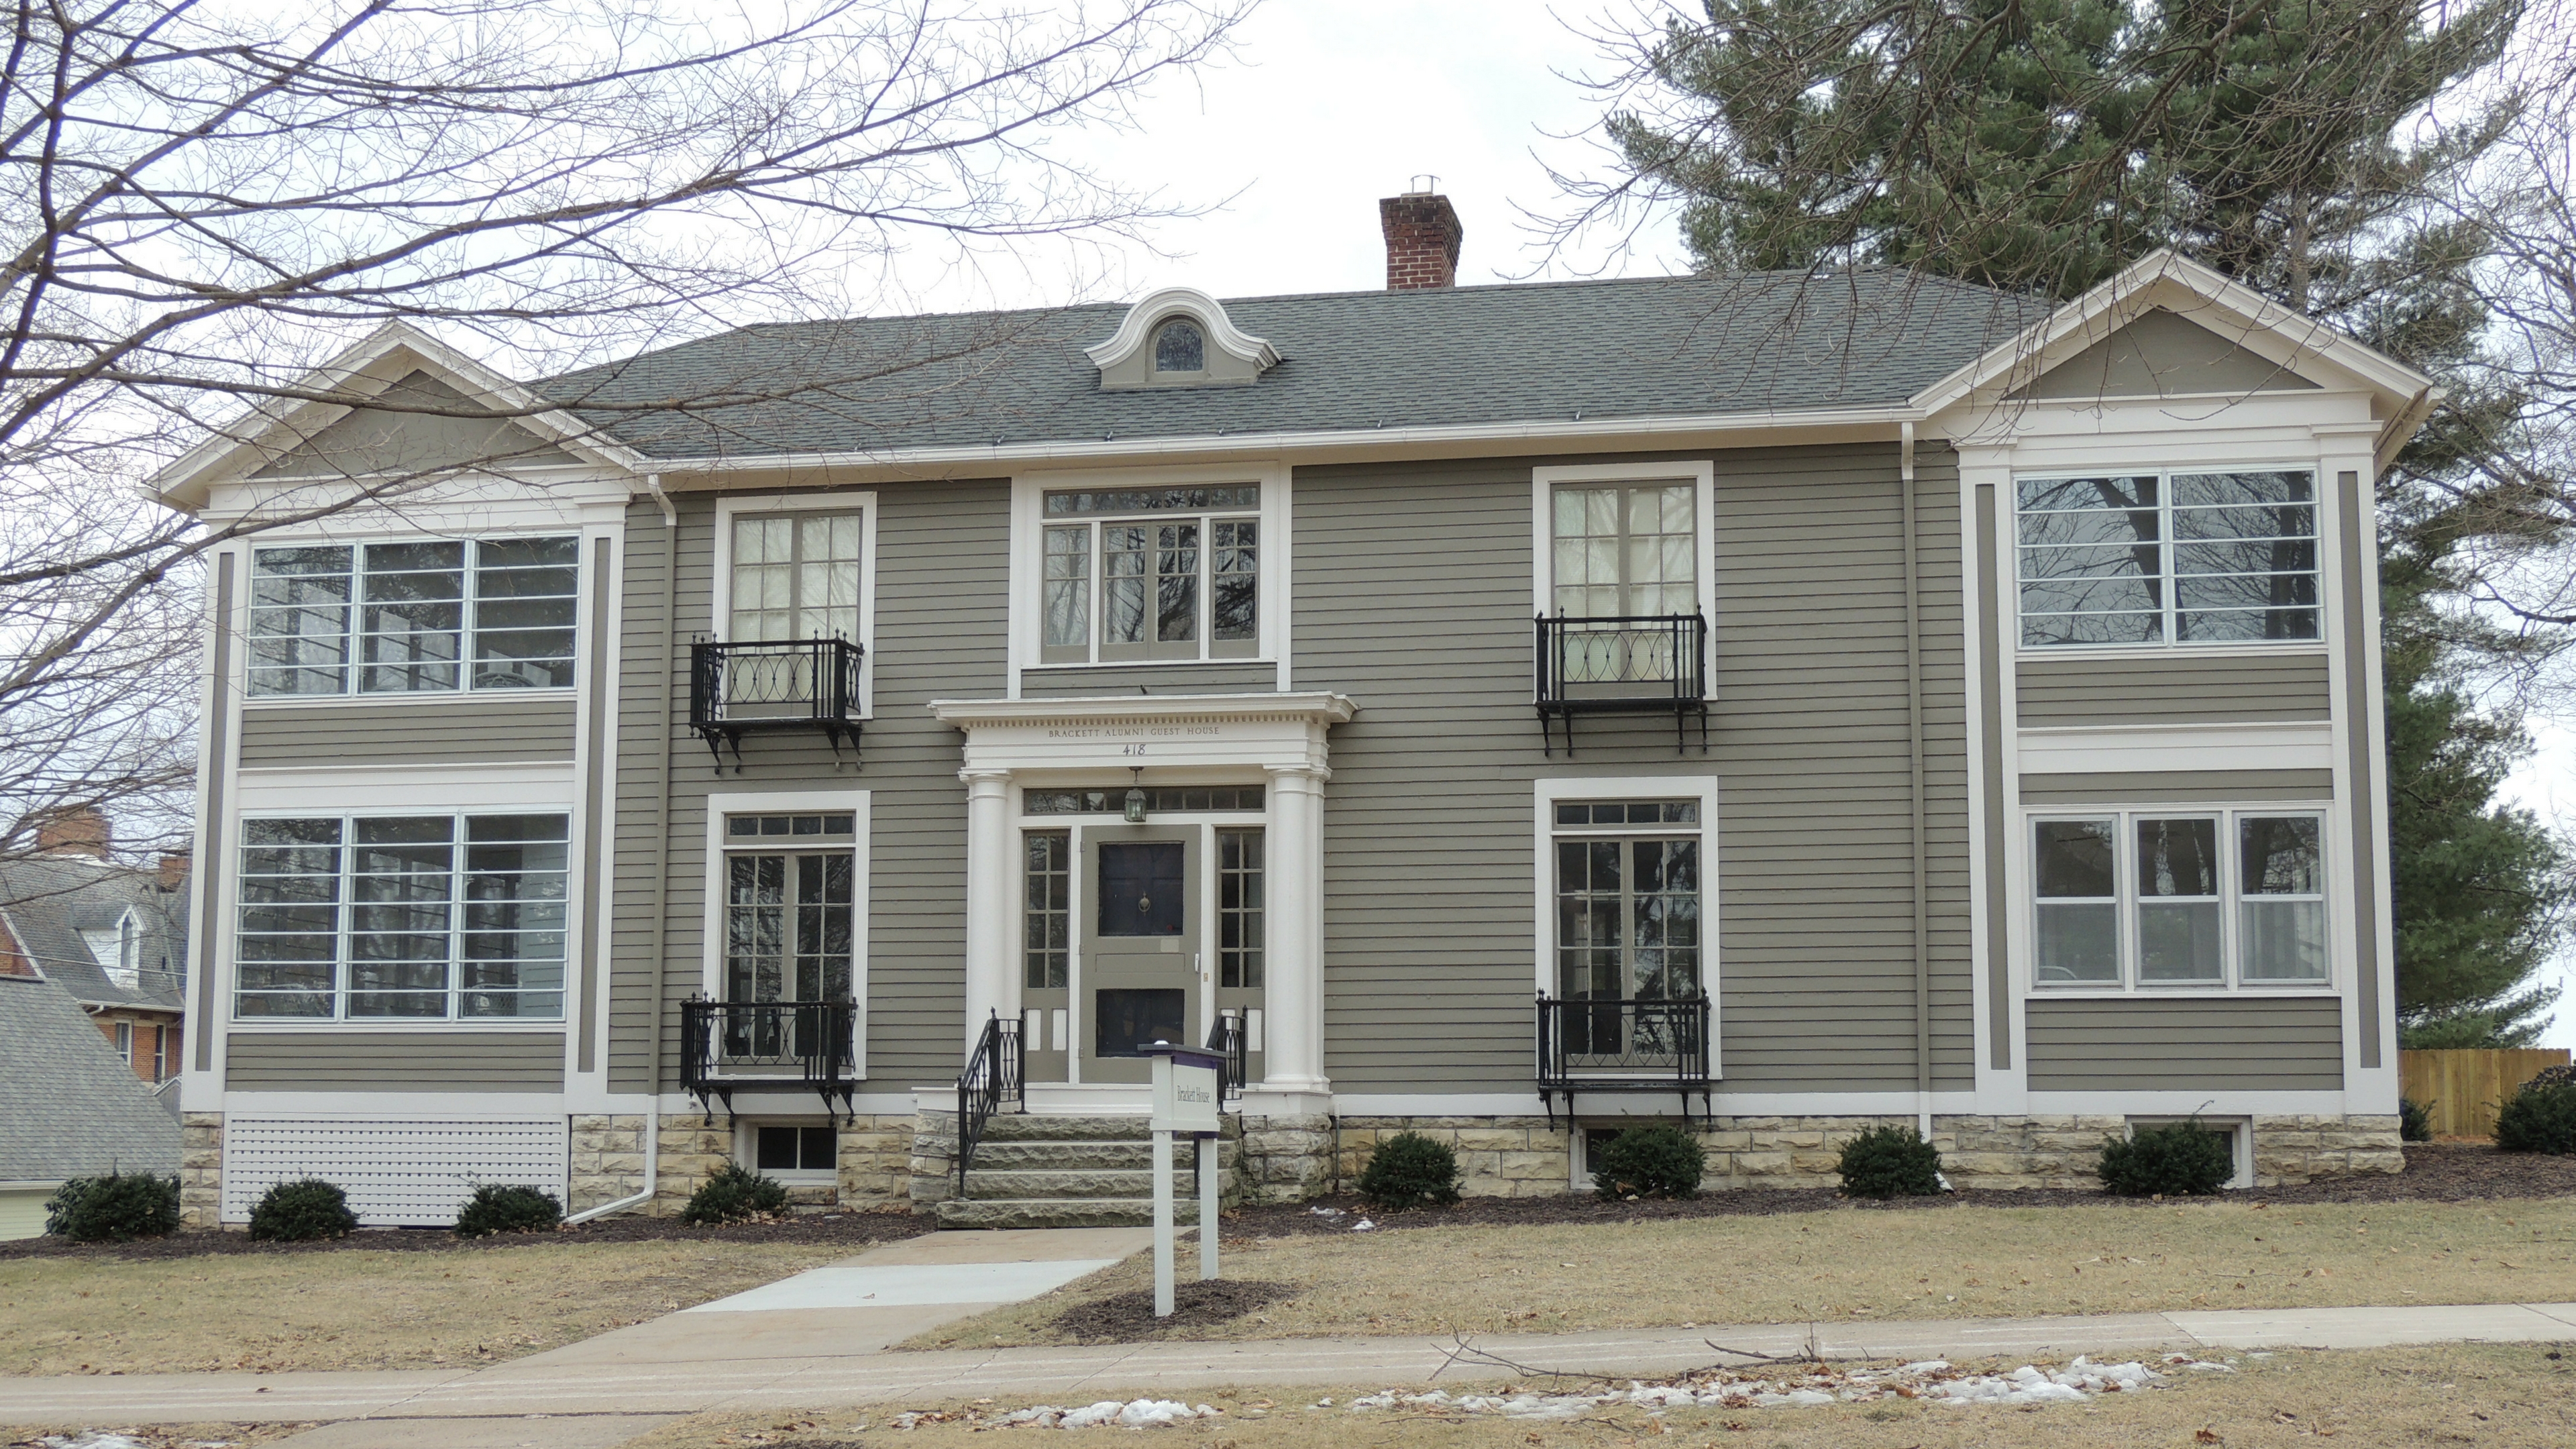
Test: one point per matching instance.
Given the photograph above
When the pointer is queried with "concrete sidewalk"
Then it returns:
(624, 1383)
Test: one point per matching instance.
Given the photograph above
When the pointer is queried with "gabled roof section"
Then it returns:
(2091, 330)
(427, 381)
(48, 903)
(69, 1108)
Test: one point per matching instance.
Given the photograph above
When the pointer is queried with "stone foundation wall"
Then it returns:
(1285, 1159)
(876, 1160)
(201, 1169)
(1497, 1156)
(607, 1160)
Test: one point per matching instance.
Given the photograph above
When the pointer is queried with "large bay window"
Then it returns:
(402, 918)
(422, 616)
(2168, 558)
(2179, 898)
(1137, 574)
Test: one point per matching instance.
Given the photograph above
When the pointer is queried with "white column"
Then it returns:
(991, 984)
(1294, 1049)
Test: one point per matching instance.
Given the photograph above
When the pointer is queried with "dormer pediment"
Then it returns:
(1180, 337)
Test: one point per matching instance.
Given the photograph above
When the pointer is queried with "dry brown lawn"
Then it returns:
(358, 1309)
(2503, 1396)
(1803, 1267)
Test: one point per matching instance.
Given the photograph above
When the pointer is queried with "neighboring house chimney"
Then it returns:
(174, 869)
(1422, 236)
(79, 831)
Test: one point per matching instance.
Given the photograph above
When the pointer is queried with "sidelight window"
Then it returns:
(1177, 579)
(1239, 908)
(1047, 909)
(2167, 898)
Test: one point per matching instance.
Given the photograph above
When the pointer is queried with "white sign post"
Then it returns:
(1188, 1091)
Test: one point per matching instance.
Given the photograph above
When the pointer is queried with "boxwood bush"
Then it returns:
(117, 1208)
(1409, 1170)
(499, 1207)
(1890, 1161)
(2179, 1159)
(734, 1194)
(2539, 1118)
(1654, 1160)
(303, 1211)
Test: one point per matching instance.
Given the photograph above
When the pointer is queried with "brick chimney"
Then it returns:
(1422, 236)
(77, 831)
(174, 869)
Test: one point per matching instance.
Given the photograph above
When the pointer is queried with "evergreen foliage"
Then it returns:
(1885, 1162)
(2539, 1118)
(734, 1193)
(1654, 1160)
(1409, 1170)
(2179, 1159)
(2414, 1120)
(303, 1211)
(508, 1208)
(117, 1208)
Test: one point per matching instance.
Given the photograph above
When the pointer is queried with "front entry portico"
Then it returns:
(1099, 932)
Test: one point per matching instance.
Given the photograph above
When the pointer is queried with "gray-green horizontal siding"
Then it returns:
(1213, 677)
(386, 1061)
(431, 730)
(2173, 687)
(2239, 1043)
(942, 553)
(2126, 787)
(1412, 592)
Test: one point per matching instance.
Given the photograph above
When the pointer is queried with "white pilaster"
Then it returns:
(1295, 1047)
(991, 984)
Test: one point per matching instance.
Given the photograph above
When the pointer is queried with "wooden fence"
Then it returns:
(2464, 1088)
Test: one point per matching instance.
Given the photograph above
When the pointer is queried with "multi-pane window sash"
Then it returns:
(422, 616)
(1047, 911)
(414, 918)
(2155, 558)
(1241, 914)
(1628, 900)
(1150, 587)
(2176, 898)
(796, 576)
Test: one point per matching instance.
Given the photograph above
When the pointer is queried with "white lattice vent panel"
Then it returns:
(397, 1174)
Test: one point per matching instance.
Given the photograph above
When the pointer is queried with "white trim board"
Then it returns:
(1700, 473)
(721, 803)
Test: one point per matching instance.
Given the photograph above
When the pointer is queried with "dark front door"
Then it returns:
(1140, 950)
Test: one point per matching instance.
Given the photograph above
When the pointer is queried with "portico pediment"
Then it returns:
(1258, 731)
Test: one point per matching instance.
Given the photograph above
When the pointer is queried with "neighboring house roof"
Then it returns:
(70, 1108)
(52, 905)
(1349, 361)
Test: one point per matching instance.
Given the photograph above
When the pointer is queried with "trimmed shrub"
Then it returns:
(1409, 1170)
(734, 1194)
(303, 1211)
(2554, 1077)
(1891, 1161)
(2414, 1120)
(2539, 1118)
(1655, 1160)
(117, 1208)
(2178, 1159)
(498, 1207)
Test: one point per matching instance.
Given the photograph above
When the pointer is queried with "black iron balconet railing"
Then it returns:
(1227, 1040)
(1606, 1044)
(725, 1045)
(738, 688)
(994, 1074)
(1621, 664)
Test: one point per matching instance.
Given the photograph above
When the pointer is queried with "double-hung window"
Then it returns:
(422, 616)
(410, 917)
(2180, 898)
(2168, 558)
(1150, 573)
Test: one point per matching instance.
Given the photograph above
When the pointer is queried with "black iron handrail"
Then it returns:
(993, 1076)
(729, 1044)
(1607, 1044)
(1606, 663)
(735, 688)
(1227, 1039)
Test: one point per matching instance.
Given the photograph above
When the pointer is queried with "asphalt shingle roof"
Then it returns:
(48, 901)
(1352, 361)
(69, 1107)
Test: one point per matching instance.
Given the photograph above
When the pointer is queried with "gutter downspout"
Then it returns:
(661, 873)
(1914, 752)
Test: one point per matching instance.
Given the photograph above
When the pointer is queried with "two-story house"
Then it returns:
(112, 936)
(1786, 701)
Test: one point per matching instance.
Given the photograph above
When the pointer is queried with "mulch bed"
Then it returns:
(2435, 1172)
(1127, 1317)
(856, 1231)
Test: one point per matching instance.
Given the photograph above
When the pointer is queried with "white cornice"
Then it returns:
(1315, 707)
(1221, 332)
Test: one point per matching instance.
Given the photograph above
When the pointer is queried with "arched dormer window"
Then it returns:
(1179, 346)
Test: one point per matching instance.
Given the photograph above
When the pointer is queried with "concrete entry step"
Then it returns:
(980, 1212)
(1135, 1185)
(1085, 1156)
(1049, 1127)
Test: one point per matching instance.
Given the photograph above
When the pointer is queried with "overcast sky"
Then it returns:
(1330, 105)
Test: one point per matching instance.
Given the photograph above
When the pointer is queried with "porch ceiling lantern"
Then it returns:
(1136, 796)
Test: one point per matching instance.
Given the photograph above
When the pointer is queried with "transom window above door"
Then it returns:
(796, 576)
(1151, 574)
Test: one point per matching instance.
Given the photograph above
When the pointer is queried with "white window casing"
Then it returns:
(722, 806)
(1699, 476)
(1701, 790)
(731, 511)
(2180, 899)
